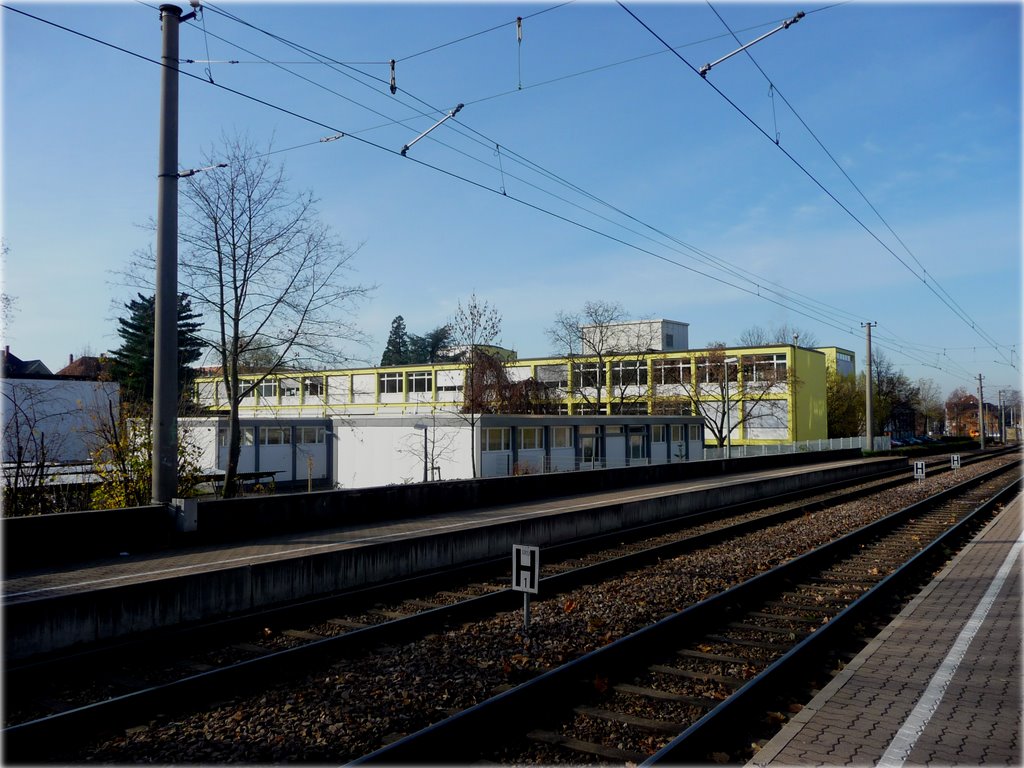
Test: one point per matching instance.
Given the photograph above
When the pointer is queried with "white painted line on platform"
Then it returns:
(904, 741)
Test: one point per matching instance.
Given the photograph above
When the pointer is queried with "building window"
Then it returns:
(695, 432)
(531, 438)
(672, 371)
(588, 374)
(311, 435)
(677, 433)
(846, 358)
(627, 372)
(246, 437)
(764, 368)
(561, 437)
(669, 341)
(553, 376)
(268, 389)
(275, 436)
(714, 371)
(631, 408)
(615, 429)
(389, 382)
(421, 381)
(495, 439)
(312, 387)
(657, 433)
(637, 445)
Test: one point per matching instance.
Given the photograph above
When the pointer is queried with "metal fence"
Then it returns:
(545, 465)
(835, 444)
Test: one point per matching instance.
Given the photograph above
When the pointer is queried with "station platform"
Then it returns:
(940, 685)
(52, 608)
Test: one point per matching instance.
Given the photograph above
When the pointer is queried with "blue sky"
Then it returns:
(676, 202)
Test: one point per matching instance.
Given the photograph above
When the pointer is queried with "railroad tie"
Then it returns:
(644, 723)
(588, 747)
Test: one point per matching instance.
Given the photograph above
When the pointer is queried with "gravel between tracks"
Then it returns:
(359, 704)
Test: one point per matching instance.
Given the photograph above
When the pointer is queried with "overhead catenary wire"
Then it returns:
(967, 320)
(956, 306)
(310, 52)
(436, 168)
(717, 263)
(443, 171)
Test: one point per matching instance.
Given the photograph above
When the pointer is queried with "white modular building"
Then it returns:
(354, 452)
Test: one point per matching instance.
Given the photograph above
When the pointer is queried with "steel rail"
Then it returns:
(25, 740)
(695, 742)
(467, 734)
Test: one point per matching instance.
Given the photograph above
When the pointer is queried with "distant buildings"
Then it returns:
(775, 393)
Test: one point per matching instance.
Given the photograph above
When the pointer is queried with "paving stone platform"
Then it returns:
(941, 685)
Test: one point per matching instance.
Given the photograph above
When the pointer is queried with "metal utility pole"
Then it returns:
(165, 334)
(981, 412)
(1002, 420)
(869, 417)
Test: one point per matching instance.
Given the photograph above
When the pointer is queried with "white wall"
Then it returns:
(389, 453)
(62, 414)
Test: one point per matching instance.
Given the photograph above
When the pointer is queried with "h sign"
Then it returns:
(525, 568)
(919, 470)
(954, 461)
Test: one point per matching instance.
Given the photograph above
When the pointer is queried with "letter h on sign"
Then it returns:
(525, 568)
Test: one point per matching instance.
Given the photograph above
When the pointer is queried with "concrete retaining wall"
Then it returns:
(43, 625)
(44, 540)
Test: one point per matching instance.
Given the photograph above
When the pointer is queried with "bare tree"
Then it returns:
(437, 446)
(7, 302)
(844, 404)
(474, 329)
(121, 448)
(931, 407)
(730, 392)
(267, 274)
(45, 433)
(599, 341)
(961, 412)
(760, 336)
(29, 449)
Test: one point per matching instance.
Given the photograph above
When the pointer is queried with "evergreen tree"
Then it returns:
(431, 347)
(397, 350)
(132, 362)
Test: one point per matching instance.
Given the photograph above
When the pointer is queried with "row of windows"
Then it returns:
(268, 388)
(756, 368)
(419, 381)
(766, 368)
(532, 438)
(277, 436)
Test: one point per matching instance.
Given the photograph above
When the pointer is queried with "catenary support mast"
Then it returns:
(869, 417)
(165, 334)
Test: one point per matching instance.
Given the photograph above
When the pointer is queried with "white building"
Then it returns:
(637, 336)
(53, 419)
(356, 452)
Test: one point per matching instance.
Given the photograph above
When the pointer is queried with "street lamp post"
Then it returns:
(425, 458)
(728, 408)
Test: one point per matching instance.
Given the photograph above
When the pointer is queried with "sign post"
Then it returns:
(954, 461)
(525, 576)
(919, 470)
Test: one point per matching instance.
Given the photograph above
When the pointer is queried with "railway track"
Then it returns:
(699, 674)
(380, 619)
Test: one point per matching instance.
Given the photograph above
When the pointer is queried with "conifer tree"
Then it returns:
(132, 362)
(397, 350)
